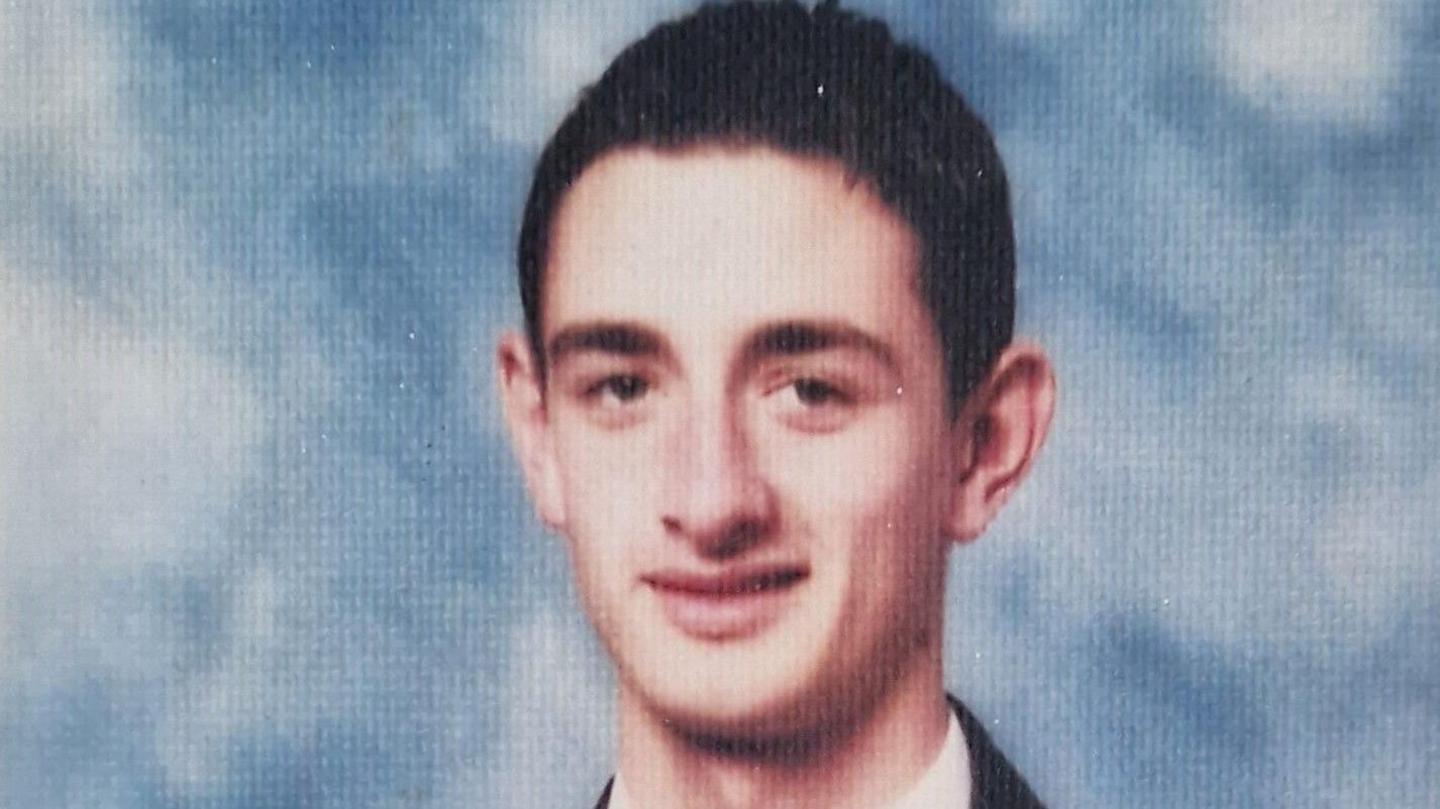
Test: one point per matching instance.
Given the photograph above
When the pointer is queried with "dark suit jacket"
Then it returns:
(996, 784)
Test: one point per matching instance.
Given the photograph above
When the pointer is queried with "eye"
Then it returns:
(815, 393)
(617, 390)
(814, 404)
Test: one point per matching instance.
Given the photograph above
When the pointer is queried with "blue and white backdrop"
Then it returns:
(262, 545)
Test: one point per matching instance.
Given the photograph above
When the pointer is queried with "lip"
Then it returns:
(727, 604)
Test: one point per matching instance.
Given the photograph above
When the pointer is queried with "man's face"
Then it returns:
(747, 426)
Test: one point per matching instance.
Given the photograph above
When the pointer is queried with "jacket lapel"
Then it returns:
(605, 796)
(997, 785)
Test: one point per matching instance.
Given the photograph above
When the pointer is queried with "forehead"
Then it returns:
(710, 241)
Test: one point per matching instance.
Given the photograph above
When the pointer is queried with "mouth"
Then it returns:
(727, 605)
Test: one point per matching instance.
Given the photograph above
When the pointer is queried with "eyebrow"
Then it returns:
(799, 337)
(626, 339)
(787, 339)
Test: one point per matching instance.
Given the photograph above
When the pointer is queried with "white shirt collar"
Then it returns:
(946, 783)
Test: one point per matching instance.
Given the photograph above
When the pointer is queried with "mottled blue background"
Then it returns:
(262, 544)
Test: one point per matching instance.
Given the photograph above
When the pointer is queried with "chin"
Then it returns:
(751, 720)
(783, 681)
(726, 697)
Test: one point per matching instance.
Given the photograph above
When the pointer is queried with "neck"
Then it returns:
(867, 760)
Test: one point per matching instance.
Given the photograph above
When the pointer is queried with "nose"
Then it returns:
(715, 497)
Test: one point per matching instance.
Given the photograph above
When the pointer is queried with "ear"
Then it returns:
(523, 399)
(998, 432)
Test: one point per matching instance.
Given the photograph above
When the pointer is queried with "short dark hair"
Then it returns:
(821, 83)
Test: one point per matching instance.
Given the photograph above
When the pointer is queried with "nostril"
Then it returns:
(719, 540)
(740, 538)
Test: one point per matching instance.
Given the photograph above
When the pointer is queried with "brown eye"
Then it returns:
(811, 405)
(813, 392)
(621, 388)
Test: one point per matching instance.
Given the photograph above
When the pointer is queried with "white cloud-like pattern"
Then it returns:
(116, 456)
(1323, 61)
(118, 447)
(546, 52)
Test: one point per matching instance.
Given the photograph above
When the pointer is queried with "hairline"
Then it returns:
(975, 236)
(854, 177)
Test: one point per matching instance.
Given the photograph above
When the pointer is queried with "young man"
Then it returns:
(767, 381)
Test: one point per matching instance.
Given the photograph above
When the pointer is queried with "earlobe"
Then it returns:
(1000, 430)
(523, 400)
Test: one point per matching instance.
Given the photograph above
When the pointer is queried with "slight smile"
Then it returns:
(727, 604)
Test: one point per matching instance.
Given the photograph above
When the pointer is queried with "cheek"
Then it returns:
(608, 491)
(605, 477)
(870, 476)
(872, 503)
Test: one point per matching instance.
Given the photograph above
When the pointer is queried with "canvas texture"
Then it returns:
(263, 541)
